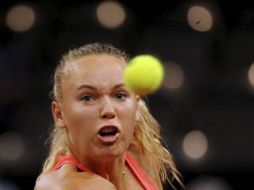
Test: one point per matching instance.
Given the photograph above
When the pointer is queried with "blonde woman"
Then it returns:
(104, 136)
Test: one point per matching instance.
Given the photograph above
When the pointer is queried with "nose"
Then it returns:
(107, 109)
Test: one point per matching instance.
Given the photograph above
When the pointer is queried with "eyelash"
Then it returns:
(84, 98)
(121, 95)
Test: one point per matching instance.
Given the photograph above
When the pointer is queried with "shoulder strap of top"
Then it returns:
(139, 173)
(69, 159)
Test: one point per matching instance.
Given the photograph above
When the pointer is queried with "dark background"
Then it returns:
(216, 97)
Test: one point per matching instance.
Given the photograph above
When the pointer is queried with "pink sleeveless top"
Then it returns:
(137, 171)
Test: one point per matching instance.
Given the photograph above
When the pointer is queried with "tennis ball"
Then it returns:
(143, 74)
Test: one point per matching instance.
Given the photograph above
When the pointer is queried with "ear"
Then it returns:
(137, 116)
(57, 114)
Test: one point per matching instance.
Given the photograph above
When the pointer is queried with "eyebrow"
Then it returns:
(86, 86)
(94, 88)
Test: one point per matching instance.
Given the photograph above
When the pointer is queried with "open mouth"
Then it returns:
(108, 134)
(108, 131)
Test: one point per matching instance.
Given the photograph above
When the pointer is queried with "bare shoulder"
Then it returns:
(68, 178)
(45, 181)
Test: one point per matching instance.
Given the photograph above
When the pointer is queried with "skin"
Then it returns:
(94, 96)
(92, 99)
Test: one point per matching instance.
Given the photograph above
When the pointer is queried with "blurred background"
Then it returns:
(205, 106)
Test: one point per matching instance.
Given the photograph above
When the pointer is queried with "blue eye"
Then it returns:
(87, 98)
(121, 96)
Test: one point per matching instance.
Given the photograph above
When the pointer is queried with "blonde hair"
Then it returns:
(147, 136)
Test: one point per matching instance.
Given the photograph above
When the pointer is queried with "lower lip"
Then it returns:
(108, 139)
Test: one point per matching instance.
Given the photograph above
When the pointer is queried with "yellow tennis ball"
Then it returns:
(143, 74)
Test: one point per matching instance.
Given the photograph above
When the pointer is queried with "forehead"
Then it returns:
(94, 68)
(100, 59)
(90, 61)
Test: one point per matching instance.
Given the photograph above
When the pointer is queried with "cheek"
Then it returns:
(81, 131)
(77, 114)
(80, 122)
(129, 119)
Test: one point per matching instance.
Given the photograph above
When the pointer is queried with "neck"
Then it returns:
(112, 170)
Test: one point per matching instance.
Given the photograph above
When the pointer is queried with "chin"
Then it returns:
(111, 153)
